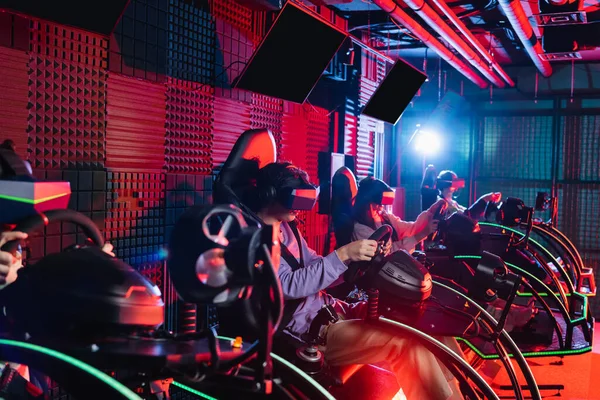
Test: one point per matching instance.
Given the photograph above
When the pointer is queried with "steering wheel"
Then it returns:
(492, 211)
(358, 268)
(35, 222)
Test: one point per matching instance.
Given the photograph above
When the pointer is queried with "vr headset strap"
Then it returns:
(290, 306)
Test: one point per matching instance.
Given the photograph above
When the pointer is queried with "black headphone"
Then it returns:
(266, 190)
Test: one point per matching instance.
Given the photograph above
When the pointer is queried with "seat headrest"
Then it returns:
(253, 150)
(343, 192)
(344, 185)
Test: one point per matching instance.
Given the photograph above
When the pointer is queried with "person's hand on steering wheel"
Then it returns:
(359, 250)
(387, 248)
(9, 263)
(108, 249)
(432, 226)
(492, 197)
(438, 207)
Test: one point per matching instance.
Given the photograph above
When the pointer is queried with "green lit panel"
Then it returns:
(544, 249)
(101, 376)
(551, 353)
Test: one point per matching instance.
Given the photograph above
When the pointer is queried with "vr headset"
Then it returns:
(301, 198)
(455, 183)
(387, 198)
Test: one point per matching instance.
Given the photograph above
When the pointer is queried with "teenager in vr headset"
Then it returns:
(448, 186)
(369, 212)
(283, 190)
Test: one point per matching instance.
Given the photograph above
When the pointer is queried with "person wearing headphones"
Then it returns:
(282, 190)
(369, 214)
(447, 186)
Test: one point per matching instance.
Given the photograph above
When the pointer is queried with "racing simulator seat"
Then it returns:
(480, 274)
(234, 185)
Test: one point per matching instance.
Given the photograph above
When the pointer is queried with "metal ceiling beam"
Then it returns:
(473, 40)
(518, 19)
(433, 19)
(430, 41)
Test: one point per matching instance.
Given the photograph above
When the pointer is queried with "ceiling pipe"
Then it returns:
(433, 19)
(416, 29)
(441, 4)
(520, 23)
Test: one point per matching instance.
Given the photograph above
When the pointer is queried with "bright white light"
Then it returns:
(427, 142)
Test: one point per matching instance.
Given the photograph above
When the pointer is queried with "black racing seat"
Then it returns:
(343, 193)
(235, 185)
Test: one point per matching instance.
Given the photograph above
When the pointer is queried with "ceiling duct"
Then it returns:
(520, 23)
(441, 4)
(432, 18)
(416, 29)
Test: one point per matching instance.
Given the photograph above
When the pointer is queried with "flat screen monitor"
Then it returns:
(395, 92)
(293, 55)
(90, 15)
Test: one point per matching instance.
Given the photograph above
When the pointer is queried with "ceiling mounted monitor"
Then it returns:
(90, 15)
(292, 56)
(395, 92)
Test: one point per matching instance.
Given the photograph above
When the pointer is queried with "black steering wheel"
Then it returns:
(357, 269)
(35, 222)
(491, 211)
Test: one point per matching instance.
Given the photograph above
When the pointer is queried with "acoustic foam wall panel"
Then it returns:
(232, 13)
(183, 192)
(139, 43)
(189, 135)
(232, 117)
(267, 112)
(135, 220)
(69, 44)
(14, 31)
(373, 72)
(14, 86)
(293, 138)
(235, 43)
(88, 191)
(351, 110)
(135, 130)
(66, 114)
(317, 140)
(192, 40)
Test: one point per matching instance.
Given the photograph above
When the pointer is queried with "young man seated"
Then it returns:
(350, 340)
(369, 214)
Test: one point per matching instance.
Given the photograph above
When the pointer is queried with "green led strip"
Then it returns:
(31, 201)
(552, 258)
(118, 386)
(297, 370)
(192, 390)
(527, 354)
(585, 299)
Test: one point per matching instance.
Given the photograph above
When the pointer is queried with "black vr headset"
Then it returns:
(297, 194)
(448, 179)
(376, 191)
(302, 198)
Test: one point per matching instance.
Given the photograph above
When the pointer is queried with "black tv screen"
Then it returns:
(292, 56)
(395, 92)
(93, 16)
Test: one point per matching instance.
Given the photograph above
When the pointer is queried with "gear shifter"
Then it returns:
(309, 355)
